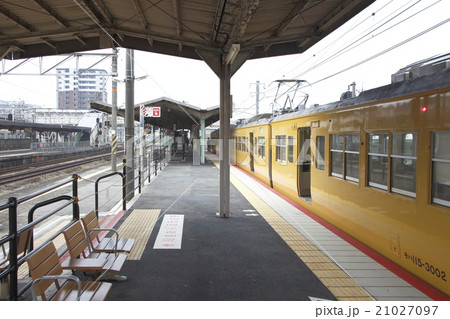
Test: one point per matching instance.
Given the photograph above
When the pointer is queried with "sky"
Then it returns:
(387, 36)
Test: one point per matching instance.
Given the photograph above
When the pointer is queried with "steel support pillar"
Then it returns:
(129, 123)
(224, 136)
(114, 115)
(202, 141)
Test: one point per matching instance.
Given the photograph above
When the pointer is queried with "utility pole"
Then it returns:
(129, 122)
(257, 96)
(114, 113)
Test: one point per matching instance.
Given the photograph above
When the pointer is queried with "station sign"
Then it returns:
(151, 111)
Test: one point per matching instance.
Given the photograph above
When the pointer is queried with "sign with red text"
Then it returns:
(170, 233)
(151, 111)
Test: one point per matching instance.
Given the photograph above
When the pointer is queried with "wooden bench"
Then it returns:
(107, 244)
(82, 259)
(23, 241)
(46, 270)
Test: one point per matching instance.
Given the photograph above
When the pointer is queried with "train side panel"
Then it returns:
(255, 150)
(371, 175)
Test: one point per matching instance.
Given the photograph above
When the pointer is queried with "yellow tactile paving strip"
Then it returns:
(334, 278)
(139, 225)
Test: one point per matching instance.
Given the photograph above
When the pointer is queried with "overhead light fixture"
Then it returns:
(234, 50)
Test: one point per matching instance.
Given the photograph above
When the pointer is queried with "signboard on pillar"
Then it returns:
(151, 111)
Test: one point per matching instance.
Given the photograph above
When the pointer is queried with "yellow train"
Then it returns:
(376, 166)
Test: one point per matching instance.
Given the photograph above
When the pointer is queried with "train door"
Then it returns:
(252, 164)
(304, 162)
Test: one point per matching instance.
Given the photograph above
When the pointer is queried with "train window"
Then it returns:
(280, 150)
(441, 168)
(337, 149)
(345, 153)
(403, 163)
(262, 147)
(243, 144)
(291, 149)
(352, 157)
(378, 160)
(320, 152)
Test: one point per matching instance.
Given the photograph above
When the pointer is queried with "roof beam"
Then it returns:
(293, 14)
(62, 22)
(141, 15)
(49, 43)
(162, 37)
(79, 38)
(39, 34)
(17, 20)
(337, 13)
(176, 10)
(98, 9)
(242, 18)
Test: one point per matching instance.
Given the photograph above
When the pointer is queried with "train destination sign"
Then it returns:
(151, 111)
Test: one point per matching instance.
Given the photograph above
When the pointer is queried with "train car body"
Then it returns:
(376, 166)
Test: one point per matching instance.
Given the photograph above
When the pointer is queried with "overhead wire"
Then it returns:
(358, 42)
(385, 51)
(373, 28)
(353, 27)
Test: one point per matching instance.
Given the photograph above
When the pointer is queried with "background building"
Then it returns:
(76, 88)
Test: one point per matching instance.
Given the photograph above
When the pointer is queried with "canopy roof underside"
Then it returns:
(262, 28)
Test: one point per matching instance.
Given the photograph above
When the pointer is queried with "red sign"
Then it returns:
(151, 111)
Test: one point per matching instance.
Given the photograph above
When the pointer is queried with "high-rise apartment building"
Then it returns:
(77, 89)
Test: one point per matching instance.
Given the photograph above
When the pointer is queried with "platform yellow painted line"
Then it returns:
(139, 225)
(342, 286)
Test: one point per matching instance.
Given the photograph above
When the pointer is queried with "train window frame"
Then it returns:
(377, 154)
(391, 156)
(244, 144)
(262, 147)
(290, 149)
(438, 159)
(337, 152)
(319, 161)
(350, 152)
(405, 159)
(341, 149)
(280, 148)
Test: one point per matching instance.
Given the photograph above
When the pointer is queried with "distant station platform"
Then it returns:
(42, 127)
(269, 249)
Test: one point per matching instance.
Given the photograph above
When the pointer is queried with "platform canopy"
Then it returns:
(223, 33)
(185, 28)
(41, 127)
(173, 114)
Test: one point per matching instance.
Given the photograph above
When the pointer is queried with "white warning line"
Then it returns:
(170, 233)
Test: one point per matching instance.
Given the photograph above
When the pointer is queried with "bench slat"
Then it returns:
(107, 245)
(90, 222)
(45, 262)
(91, 291)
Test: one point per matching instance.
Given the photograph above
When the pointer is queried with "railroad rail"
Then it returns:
(21, 173)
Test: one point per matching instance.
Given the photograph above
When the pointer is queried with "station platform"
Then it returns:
(268, 249)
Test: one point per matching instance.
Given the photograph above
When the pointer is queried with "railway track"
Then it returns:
(14, 175)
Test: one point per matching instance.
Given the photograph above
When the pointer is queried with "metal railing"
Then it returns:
(159, 156)
(14, 233)
(59, 146)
